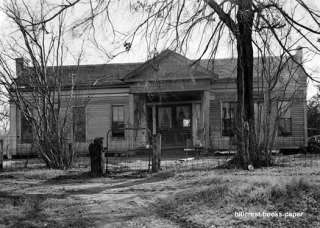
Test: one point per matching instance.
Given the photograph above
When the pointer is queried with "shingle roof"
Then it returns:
(87, 75)
(115, 75)
(227, 68)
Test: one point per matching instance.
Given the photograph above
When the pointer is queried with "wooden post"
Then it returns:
(131, 121)
(97, 157)
(154, 123)
(205, 116)
(156, 153)
(13, 131)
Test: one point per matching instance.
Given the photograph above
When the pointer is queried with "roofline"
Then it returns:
(91, 65)
(173, 79)
(80, 87)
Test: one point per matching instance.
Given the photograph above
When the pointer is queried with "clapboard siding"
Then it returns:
(297, 138)
(219, 142)
(98, 121)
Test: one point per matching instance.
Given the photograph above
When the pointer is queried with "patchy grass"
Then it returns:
(27, 211)
(217, 204)
(179, 198)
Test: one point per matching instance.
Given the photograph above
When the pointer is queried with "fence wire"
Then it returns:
(139, 158)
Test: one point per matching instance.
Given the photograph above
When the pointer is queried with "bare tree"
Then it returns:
(174, 23)
(313, 112)
(38, 87)
(177, 23)
(279, 83)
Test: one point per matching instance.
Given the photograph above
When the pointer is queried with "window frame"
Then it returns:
(75, 139)
(231, 133)
(289, 119)
(24, 140)
(114, 134)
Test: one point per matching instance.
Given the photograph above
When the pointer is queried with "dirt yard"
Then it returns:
(283, 196)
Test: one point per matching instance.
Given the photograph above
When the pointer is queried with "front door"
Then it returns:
(174, 122)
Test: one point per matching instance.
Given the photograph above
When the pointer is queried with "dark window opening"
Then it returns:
(285, 127)
(118, 121)
(79, 124)
(26, 130)
(228, 118)
(285, 120)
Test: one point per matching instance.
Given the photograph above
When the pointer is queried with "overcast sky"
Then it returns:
(124, 21)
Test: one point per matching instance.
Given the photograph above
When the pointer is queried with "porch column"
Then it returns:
(154, 123)
(205, 113)
(13, 130)
(131, 119)
(131, 110)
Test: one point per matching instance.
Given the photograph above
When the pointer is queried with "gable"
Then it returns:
(169, 65)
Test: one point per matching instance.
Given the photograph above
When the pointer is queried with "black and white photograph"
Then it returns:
(159, 113)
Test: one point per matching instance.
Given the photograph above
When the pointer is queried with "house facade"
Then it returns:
(188, 103)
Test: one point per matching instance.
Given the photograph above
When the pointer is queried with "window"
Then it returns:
(54, 120)
(228, 118)
(285, 120)
(26, 130)
(259, 115)
(165, 117)
(117, 121)
(79, 124)
(183, 115)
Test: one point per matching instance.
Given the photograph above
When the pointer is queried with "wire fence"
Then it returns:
(137, 158)
(180, 161)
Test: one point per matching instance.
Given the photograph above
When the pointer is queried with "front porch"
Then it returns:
(180, 117)
(170, 95)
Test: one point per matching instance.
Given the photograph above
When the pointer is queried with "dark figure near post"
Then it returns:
(97, 158)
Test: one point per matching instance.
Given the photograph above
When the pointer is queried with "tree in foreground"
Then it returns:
(313, 113)
(245, 23)
(180, 24)
(37, 89)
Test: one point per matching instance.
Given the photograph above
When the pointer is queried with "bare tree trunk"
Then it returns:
(1, 158)
(246, 129)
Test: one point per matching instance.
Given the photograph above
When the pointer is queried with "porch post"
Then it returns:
(13, 133)
(154, 123)
(131, 110)
(205, 113)
(131, 119)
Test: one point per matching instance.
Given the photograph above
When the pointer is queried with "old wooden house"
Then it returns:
(187, 102)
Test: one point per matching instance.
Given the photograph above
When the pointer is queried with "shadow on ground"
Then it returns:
(26, 210)
(125, 181)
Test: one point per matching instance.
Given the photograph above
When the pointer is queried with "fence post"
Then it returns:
(97, 157)
(156, 153)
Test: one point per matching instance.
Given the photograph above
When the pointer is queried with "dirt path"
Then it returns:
(47, 198)
(53, 198)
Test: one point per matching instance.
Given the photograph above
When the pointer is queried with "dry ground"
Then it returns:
(188, 198)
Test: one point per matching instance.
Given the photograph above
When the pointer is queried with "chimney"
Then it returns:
(19, 66)
(299, 54)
